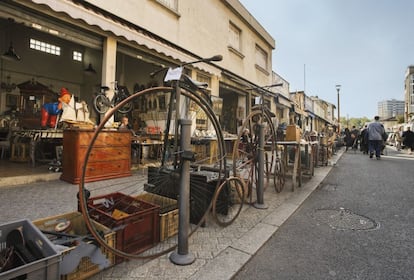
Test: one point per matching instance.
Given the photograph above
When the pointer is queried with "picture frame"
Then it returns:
(12, 100)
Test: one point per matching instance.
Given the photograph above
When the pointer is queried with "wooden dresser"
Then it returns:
(109, 158)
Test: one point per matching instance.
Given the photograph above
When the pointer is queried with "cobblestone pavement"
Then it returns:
(219, 252)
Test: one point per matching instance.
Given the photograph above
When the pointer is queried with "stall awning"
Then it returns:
(94, 18)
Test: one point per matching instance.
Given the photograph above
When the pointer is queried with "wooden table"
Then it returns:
(138, 144)
(36, 136)
(298, 168)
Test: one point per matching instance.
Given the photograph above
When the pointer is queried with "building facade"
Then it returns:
(57, 40)
(391, 108)
(409, 94)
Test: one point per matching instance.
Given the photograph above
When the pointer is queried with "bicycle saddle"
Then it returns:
(193, 83)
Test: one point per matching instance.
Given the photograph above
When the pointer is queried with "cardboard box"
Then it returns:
(293, 133)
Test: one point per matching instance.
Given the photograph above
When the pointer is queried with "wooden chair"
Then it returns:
(5, 144)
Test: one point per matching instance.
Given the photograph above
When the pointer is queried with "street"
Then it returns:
(358, 224)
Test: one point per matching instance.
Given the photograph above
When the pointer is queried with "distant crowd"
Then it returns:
(372, 138)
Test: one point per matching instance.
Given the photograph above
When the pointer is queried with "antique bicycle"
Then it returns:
(102, 103)
(246, 150)
(212, 189)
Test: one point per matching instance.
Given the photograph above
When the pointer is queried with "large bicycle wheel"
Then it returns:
(113, 202)
(101, 103)
(246, 151)
(228, 201)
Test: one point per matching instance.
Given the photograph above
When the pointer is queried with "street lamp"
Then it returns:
(338, 88)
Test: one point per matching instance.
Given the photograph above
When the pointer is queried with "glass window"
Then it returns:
(77, 56)
(234, 37)
(261, 57)
(204, 79)
(44, 47)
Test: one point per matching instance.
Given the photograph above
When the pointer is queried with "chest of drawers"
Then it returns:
(109, 158)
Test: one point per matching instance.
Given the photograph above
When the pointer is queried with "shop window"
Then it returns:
(44, 47)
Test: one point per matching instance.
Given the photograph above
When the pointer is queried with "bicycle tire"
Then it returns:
(228, 201)
(160, 180)
(279, 175)
(101, 103)
(125, 109)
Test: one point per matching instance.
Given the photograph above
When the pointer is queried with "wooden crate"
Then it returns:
(85, 268)
(168, 213)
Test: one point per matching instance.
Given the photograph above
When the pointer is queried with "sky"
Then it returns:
(363, 45)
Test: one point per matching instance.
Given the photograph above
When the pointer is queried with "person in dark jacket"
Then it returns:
(348, 139)
(376, 133)
(363, 140)
(408, 141)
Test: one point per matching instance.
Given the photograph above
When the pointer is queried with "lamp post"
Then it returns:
(338, 88)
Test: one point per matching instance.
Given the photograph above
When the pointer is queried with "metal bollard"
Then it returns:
(182, 256)
(260, 184)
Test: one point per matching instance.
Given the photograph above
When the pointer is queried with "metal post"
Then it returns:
(260, 183)
(182, 256)
(338, 87)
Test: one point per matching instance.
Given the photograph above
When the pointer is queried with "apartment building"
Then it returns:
(409, 94)
(390, 108)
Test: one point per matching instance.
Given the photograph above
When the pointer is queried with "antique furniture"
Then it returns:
(109, 158)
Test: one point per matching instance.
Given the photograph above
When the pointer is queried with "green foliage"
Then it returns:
(400, 118)
(357, 122)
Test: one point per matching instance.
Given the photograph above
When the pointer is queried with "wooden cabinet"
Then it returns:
(33, 96)
(109, 158)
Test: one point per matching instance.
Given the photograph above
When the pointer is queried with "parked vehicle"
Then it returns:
(391, 139)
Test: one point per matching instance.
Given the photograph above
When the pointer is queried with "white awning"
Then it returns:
(118, 29)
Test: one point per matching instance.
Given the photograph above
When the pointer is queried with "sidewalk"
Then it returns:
(221, 252)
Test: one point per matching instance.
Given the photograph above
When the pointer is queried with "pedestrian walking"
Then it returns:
(348, 139)
(376, 134)
(354, 136)
(408, 139)
(398, 138)
(363, 140)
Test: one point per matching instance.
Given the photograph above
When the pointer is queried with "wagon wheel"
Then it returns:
(159, 175)
(246, 149)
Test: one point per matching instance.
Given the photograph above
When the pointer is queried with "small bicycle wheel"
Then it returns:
(279, 175)
(228, 201)
(101, 103)
(116, 203)
(125, 108)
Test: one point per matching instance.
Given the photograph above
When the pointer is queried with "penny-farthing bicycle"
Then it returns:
(246, 152)
(211, 188)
